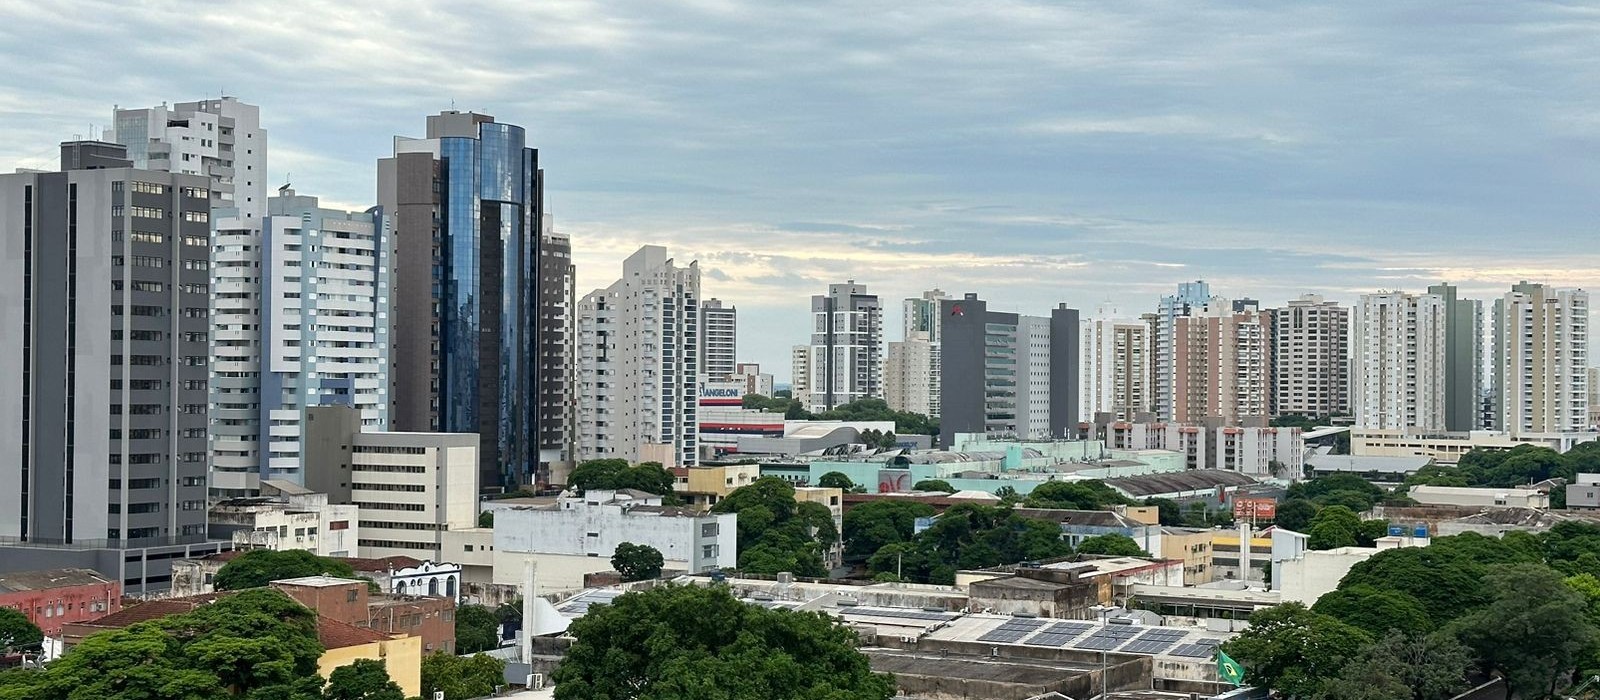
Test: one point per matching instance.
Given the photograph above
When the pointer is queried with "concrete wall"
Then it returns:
(401, 657)
(1315, 574)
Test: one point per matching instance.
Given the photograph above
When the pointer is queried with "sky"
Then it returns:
(1034, 153)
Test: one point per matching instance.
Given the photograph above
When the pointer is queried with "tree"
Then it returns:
(1008, 496)
(461, 677)
(933, 485)
(776, 534)
(1375, 611)
(1167, 510)
(637, 562)
(1333, 526)
(1293, 650)
(970, 536)
(873, 525)
(1075, 495)
(16, 632)
(477, 629)
(365, 679)
(1400, 666)
(694, 642)
(1295, 514)
(1529, 632)
(836, 480)
(1113, 544)
(615, 474)
(135, 662)
(486, 519)
(258, 567)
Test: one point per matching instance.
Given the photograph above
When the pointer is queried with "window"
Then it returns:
(146, 212)
(197, 216)
(350, 596)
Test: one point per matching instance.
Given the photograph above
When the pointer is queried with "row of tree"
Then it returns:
(905, 422)
(1432, 619)
(778, 533)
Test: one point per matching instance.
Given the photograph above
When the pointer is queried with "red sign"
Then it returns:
(1257, 508)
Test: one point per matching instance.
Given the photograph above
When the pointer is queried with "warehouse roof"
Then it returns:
(1177, 482)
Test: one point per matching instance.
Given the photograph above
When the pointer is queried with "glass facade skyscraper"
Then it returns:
(467, 202)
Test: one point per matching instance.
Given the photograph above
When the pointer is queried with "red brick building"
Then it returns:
(432, 619)
(55, 597)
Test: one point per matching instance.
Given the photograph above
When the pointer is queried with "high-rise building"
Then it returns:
(221, 139)
(1311, 358)
(754, 380)
(908, 383)
(557, 405)
(1541, 346)
(1115, 367)
(719, 339)
(104, 271)
(1007, 375)
(845, 361)
(1163, 363)
(921, 322)
(1398, 361)
(639, 361)
(467, 207)
(1594, 397)
(1463, 360)
(324, 337)
(800, 374)
(1222, 363)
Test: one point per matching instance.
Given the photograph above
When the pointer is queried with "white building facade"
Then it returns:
(1114, 370)
(909, 383)
(639, 365)
(720, 339)
(1398, 361)
(1541, 359)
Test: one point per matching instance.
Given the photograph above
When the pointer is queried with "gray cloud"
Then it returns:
(1032, 152)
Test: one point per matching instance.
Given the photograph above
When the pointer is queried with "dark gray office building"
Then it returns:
(104, 294)
(1006, 375)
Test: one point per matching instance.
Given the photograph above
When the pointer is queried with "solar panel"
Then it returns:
(1196, 651)
(1100, 643)
(1059, 634)
(1208, 642)
(903, 614)
(1160, 635)
(1003, 635)
(1145, 647)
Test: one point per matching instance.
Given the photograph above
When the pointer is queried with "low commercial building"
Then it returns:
(1216, 608)
(1039, 592)
(833, 500)
(1226, 554)
(1447, 447)
(53, 598)
(1383, 470)
(1079, 525)
(703, 486)
(1250, 447)
(1584, 492)
(287, 516)
(1303, 575)
(578, 535)
(1180, 485)
(430, 619)
(1194, 547)
(1479, 497)
(409, 488)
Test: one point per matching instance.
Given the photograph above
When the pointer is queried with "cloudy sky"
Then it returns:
(1031, 152)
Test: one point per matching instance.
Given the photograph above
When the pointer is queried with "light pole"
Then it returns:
(1104, 611)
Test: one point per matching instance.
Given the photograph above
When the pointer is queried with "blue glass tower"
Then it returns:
(468, 209)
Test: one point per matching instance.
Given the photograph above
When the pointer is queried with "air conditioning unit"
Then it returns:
(535, 681)
(438, 695)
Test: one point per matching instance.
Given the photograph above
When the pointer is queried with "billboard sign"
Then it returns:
(1255, 508)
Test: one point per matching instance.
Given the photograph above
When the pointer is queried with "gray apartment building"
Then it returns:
(104, 276)
(1007, 375)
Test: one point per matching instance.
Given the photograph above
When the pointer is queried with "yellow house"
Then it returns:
(704, 486)
(1193, 546)
(347, 644)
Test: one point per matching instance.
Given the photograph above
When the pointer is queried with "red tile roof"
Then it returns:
(337, 635)
(152, 610)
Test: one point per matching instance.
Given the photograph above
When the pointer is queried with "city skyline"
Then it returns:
(1097, 160)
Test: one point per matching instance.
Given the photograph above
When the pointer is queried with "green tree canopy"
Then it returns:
(486, 519)
(1295, 514)
(836, 480)
(1533, 631)
(1113, 544)
(258, 567)
(461, 677)
(637, 562)
(1075, 495)
(1348, 490)
(1334, 526)
(616, 474)
(1400, 666)
(477, 629)
(363, 679)
(873, 525)
(1167, 510)
(694, 642)
(16, 632)
(1293, 650)
(1375, 611)
(933, 485)
(970, 536)
(777, 534)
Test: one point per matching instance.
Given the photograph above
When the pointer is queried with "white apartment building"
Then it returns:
(922, 317)
(1311, 357)
(323, 337)
(1033, 377)
(293, 518)
(1594, 397)
(1541, 359)
(1398, 359)
(578, 535)
(800, 374)
(1256, 450)
(639, 368)
(719, 337)
(221, 139)
(1114, 370)
(845, 360)
(908, 381)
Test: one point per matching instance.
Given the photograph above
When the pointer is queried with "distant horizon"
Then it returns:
(1033, 153)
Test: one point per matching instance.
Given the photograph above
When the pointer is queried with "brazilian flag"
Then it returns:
(1229, 670)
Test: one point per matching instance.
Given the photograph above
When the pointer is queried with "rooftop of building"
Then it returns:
(1424, 489)
(315, 582)
(334, 634)
(1179, 643)
(382, 564)
(1177, 482)
(1321, 461)
(47, 579)
(144, 611)
(1085, 518)
(1029, 672)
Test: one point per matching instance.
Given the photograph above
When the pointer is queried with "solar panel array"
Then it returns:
(1012, 630)
(1107, 638)
(905, 614)
(1059, 634)
(1193, 651)
(1153, 641)
(580, 605)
